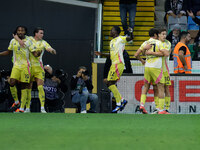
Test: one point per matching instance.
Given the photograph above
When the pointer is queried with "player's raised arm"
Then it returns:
(21, 42)
(51, 50)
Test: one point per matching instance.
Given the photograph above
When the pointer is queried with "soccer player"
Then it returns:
(153, 69)
(165, 49)
(36, 45)
(21, 68)
(117, 46)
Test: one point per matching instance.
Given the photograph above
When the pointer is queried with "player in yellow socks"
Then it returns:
(21, 68)
(117, 46)
(165, 48)
(153, 68)
(37, 46)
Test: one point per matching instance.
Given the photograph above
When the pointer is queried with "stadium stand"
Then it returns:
(182, 21)
(144, 20)
(193, 29)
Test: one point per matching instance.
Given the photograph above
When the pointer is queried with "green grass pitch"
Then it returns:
(56, 131)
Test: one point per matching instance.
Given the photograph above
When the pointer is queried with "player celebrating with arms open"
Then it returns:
(117, 46)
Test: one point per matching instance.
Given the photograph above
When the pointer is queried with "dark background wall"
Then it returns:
(68, 28)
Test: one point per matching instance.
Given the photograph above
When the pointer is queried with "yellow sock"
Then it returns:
(161, 103)
(13, 91)
(23, 98)
(116, 93)
(156, 100)
(28, 98)
(41, 95)
(167, 102)
(143, 99)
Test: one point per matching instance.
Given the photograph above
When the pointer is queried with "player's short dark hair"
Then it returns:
(36, 30)
(117, 28)
(162, 30)
(183, 34)
(153, 31)
(20, 26)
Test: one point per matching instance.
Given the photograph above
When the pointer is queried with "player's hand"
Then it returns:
(143, 61)
(130, 30)
(105, 80)
(97, 53)
(8, 79)
(53, 51)
(21, 42)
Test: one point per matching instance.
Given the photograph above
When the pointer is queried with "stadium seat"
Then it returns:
(181, 21)
(192, 25)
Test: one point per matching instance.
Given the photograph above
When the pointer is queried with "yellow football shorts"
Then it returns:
(154, 75)
(37, 72)
(115, 72)
(21, 74)
(167, 78)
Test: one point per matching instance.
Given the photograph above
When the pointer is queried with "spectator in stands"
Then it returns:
(52, 90)
(175, 8)
(197, 38)
(127, 6)
(174, 37)
(81, 87)
(182, 55)
(194, 6)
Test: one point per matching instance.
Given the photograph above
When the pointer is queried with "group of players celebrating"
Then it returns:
(157, 50)
(27, 66)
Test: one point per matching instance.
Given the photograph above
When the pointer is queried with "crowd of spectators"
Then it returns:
(175, 11)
